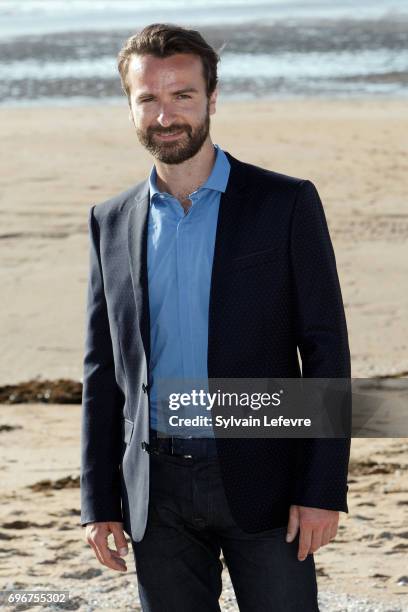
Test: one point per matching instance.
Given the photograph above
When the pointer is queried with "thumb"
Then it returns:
(293, 524)
(120, 539)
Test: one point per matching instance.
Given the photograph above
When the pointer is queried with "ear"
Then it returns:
(212, 101)
(131, 117)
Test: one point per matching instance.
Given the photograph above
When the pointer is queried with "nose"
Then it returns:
(165, 116)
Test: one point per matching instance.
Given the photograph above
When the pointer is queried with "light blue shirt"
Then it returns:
(179, 262)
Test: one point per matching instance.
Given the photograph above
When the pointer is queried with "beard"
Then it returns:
(177, 151)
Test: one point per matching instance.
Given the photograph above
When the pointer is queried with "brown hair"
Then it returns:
(163, 40)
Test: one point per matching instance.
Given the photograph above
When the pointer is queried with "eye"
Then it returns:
(183, 96)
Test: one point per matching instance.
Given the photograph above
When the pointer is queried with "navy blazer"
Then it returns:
(274, 291)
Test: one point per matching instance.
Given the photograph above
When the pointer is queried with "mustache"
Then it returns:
(170, 130)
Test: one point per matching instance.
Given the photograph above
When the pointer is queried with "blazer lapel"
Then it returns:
(137, 249)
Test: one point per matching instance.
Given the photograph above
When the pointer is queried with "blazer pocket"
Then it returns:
(127, 430)
(255, 259)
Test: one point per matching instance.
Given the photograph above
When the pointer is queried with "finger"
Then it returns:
(333, 532)
(305, 540)
(120, 539)
(98, 549)
(115, 560)
(316, 542)
(326, 535)
(106, 553)
(97, 553)
(334, 528)
(90, 539)
(293, 524)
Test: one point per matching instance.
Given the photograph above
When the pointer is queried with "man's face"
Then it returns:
(169, 105)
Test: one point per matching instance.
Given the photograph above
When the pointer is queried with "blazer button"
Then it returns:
(145, 388)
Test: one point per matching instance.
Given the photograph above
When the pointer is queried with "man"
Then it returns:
(211, 267)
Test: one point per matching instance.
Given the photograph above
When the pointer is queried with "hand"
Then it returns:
(317, 528)
(97, 536)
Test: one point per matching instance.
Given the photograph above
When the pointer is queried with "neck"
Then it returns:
(182, 179)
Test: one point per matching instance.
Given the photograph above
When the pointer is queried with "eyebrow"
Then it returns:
(175, 93)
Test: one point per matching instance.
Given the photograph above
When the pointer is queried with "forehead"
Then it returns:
(149, 72)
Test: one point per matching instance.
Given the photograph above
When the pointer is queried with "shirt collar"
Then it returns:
(217, 179)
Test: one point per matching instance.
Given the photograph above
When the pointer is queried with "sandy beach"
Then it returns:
(56, 163)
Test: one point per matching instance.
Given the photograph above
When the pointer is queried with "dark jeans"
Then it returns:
(178, 562)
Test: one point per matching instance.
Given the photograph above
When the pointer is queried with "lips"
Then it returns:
(170, 136)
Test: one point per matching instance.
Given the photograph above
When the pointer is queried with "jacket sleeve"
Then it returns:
(322, 339)
(102, 402)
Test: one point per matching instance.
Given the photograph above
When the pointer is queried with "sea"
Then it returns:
(55, 52)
